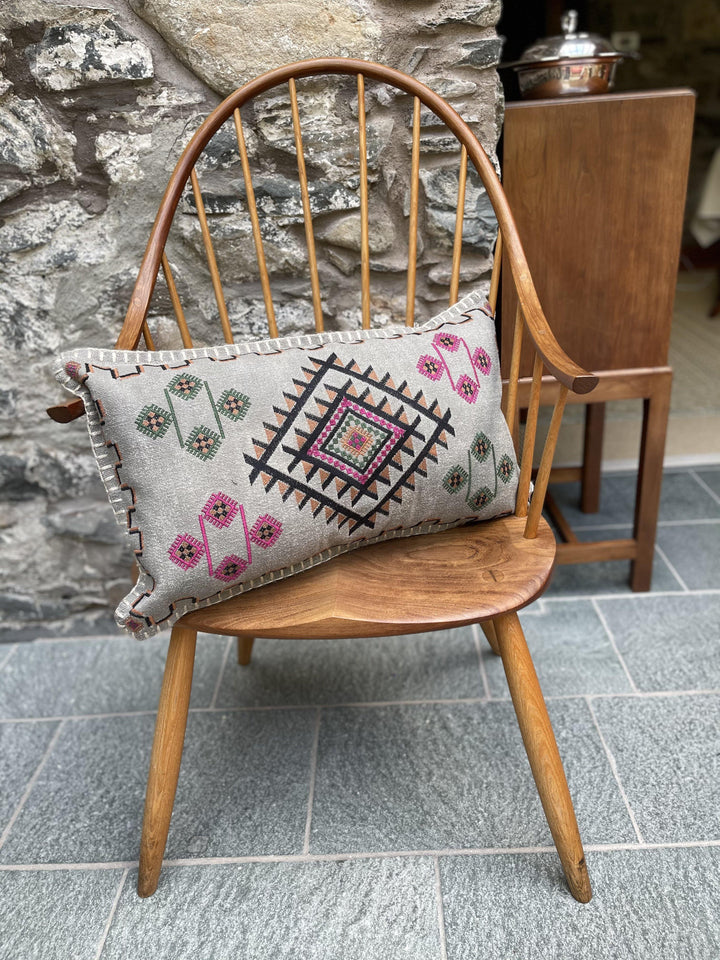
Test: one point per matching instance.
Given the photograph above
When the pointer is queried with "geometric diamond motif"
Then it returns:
(220, 510)
(455, 479)
(153, 421)
(505, 468)
(265, 531)
(482, 361)
(348, 442)
(355, 441)
(230, 568)
(185, 386)
(447, 341)
(233, 405)
(186, 551)
(480, 447)
(203, 443)
(430, 367)
(467, 388)
(481, 498)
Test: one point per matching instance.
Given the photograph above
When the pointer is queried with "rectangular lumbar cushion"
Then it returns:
(234, 466)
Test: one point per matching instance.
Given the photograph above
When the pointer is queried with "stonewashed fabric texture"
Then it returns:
(234, 466)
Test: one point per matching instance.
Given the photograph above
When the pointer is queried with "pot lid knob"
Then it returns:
(569, 22)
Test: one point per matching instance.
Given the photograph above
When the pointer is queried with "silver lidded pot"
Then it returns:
(568, 65)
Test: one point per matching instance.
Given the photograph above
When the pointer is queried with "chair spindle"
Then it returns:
(364, 226)
(511, 411)
(210, 255)
(412, 237)
(147, 336)
(543, 474)
(307, 215)
(175, 300)
(459, 217)
(257, 236)
(495, 275)
(526, 462)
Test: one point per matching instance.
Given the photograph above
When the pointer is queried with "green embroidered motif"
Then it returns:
(480, 450)
(480, 447)
(481, 498)
(153, 421)
(185, 386)
(455, 479)
(233, 405)
(506, 468)
(203, 443)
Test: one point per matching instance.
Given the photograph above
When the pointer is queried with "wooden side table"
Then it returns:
(597, 185)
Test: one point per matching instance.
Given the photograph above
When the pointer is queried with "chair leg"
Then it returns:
(488, 628)
(166, 754)
(542, 751)
(244, 650)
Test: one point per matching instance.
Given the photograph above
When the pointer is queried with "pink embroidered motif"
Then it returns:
(355, 440)
(265, 531)
(430, 367)
(467, 389)
(447, 341)
(220, 510)
(186, 551)
(467, 384)
(482, 361)
(230, 568)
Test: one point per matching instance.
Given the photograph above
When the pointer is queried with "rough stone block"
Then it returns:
(72, 55)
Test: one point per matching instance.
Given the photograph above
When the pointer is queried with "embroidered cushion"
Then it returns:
(235, 466)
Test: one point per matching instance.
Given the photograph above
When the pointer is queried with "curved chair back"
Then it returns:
(547, 353)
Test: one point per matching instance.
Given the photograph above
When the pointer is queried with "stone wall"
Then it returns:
(96, 103)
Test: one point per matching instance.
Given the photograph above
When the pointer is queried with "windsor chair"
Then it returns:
(482, 573)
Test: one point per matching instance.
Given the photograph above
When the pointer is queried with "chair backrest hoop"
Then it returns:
(556, 362)
(140, 299)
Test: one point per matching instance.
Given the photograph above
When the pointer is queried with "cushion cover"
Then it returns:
(234, 466)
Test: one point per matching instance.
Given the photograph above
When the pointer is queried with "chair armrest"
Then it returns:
(65, 412)
(569, 373)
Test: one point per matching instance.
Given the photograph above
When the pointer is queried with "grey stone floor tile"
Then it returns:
(429, 777)
(99, 675)
(682, 498)
(243, 789)
(54, 914)
(668, 643)
(22, 746)
(694, 551)
(351, 910)
(606, 576)
(647, 905)
(571, 651)
(425, 666)
(710, 476)
(667, 751)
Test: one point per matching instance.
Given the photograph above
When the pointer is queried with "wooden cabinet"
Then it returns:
(597, 185)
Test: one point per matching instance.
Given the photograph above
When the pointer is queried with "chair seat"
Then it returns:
(408, 585)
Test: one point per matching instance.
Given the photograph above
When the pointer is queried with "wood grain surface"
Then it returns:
(408, 585)
(597, 187)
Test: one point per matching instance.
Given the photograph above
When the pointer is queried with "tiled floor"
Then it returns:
(372, 799)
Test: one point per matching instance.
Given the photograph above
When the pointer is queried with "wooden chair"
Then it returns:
(482, 573)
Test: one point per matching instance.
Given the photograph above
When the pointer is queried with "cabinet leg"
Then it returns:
(592, 457)
(656, 410)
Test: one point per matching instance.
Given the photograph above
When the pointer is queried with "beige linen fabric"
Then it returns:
(234, 466)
